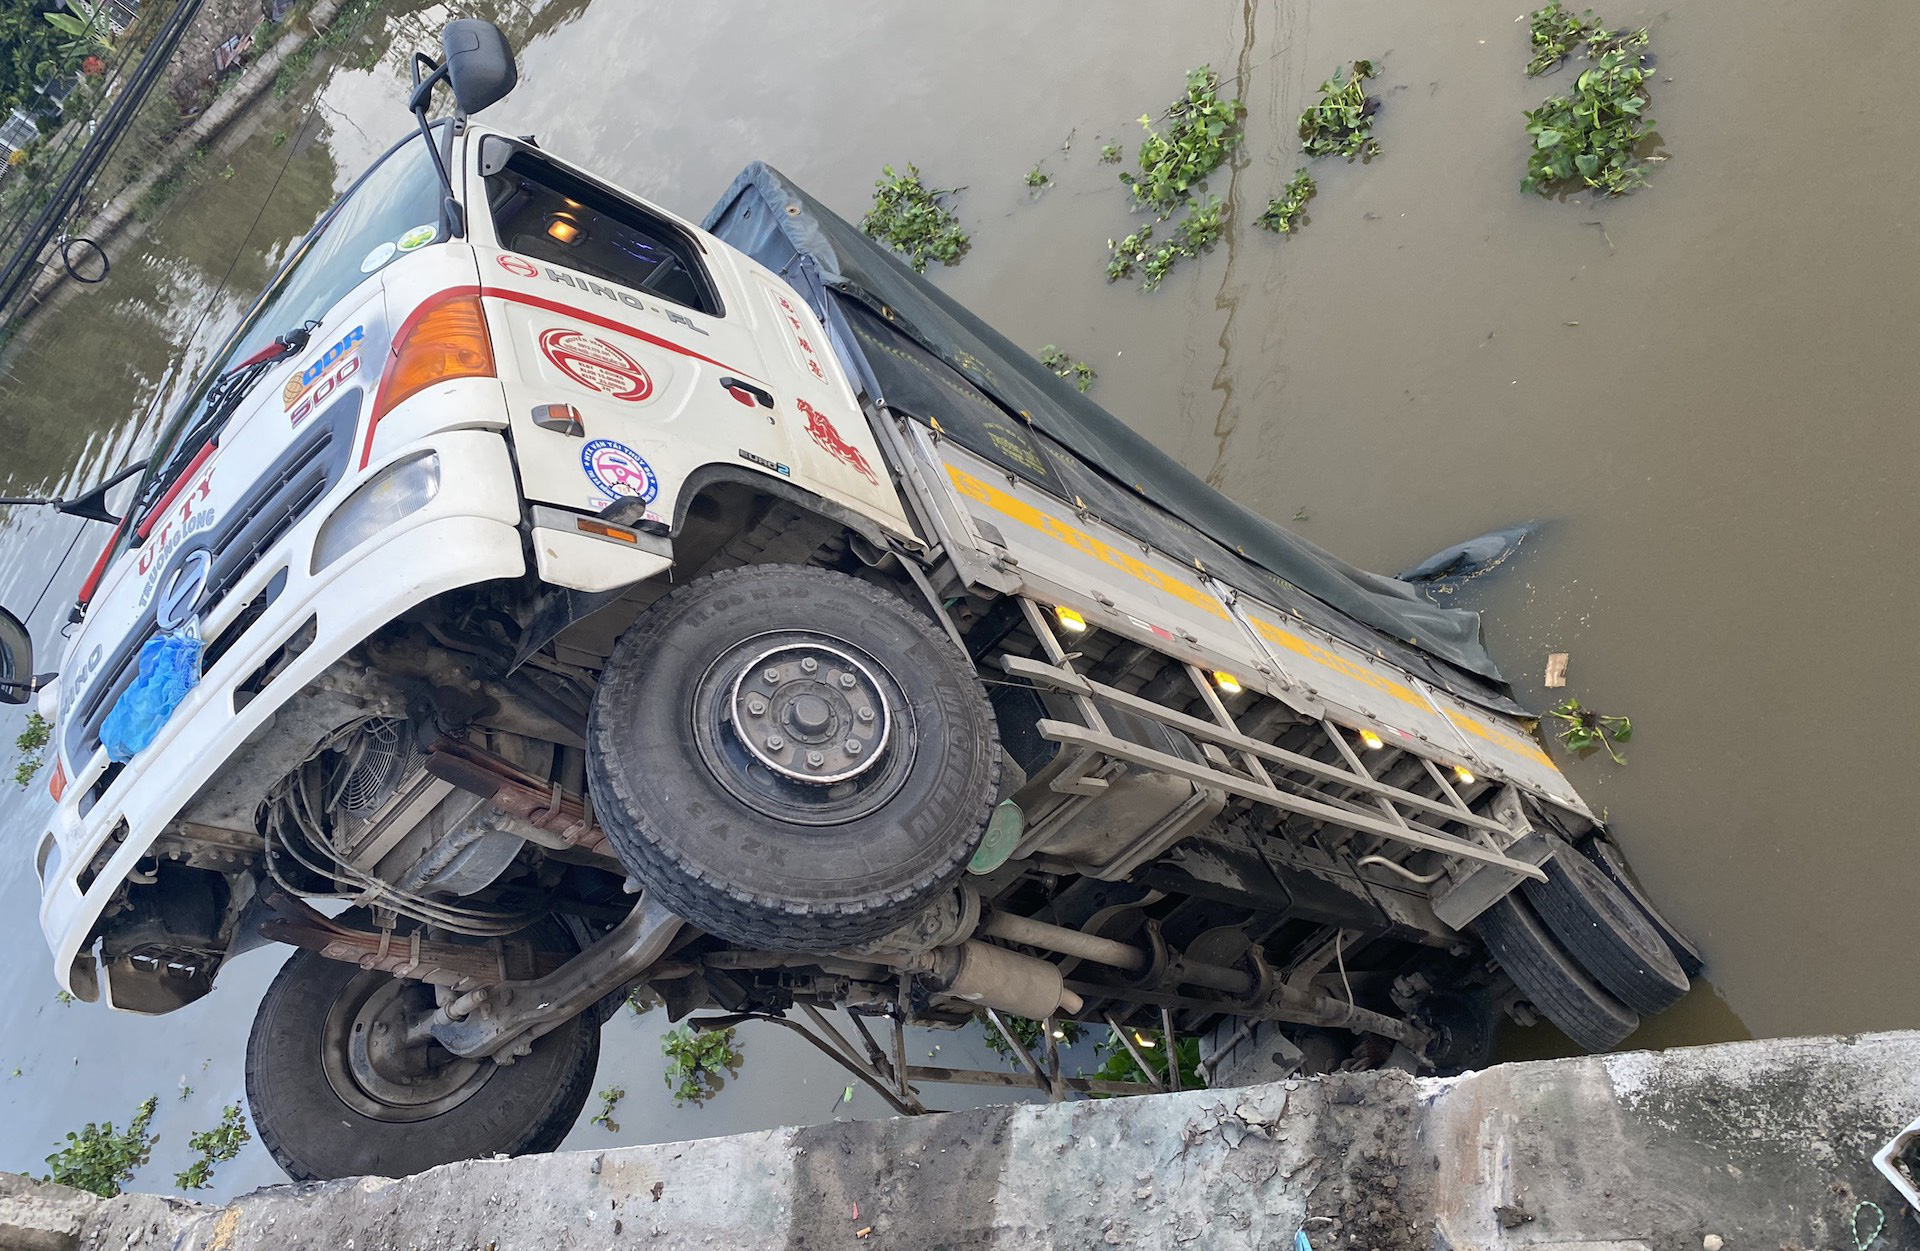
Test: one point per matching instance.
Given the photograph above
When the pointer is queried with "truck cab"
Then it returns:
(543, 595)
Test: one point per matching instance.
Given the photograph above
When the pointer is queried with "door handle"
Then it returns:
(748, 394)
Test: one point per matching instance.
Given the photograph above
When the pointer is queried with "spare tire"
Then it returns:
(1606, 932)
(792, 758)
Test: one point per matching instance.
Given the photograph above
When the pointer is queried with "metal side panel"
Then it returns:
(1358, 690)
(1505, 748)
(1114, 581)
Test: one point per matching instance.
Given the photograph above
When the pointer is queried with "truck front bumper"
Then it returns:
(467, 533)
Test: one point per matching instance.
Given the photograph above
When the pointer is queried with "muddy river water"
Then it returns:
(1705, 392)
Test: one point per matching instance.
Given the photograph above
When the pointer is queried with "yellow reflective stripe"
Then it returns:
(1518, 746)
(1329, 659)
(1026, 514)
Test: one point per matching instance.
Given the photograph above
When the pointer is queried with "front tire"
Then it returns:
(792, 758)
(331, 1099)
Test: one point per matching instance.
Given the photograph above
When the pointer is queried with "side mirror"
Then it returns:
(479, 64)
(16, 661)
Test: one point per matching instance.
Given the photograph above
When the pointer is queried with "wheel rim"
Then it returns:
(380, 1062)
(804, 727)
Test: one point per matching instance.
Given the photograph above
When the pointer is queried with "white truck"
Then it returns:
(582, 599)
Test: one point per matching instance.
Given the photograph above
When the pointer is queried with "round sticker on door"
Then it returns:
(619, 471)
(418, 237)
(596, 364)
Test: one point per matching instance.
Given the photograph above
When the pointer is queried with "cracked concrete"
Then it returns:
(1760, 1145)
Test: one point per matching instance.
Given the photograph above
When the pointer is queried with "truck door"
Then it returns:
(620, 361)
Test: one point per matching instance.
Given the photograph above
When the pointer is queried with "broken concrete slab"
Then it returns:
(1761, 1145)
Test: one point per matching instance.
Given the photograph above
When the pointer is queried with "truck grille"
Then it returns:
(304, 474)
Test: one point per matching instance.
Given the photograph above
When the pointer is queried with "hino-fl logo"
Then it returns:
(179, 600)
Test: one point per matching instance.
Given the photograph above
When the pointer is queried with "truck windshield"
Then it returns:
(393, 209)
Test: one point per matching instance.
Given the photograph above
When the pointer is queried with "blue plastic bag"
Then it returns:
(169, 668)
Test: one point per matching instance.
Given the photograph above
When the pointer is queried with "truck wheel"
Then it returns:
(1551, 979)
(335, 1093)
(792, 758)
(1604, 854)
(1606, 933)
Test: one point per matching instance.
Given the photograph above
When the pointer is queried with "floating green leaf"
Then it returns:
(1590, 137)
(1555, 34)
(1585, 728)
(1341, 124)
(1202, 130)
(910, 219)
(609, 1100)
(1078, 372)
(99, 1158)
(1120, 1066)
(696, 1060)
(1031, 1033)
(216, 1146)
(32, 744)
(1280, 213)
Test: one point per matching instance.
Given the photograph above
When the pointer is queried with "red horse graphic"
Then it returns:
(829, 439)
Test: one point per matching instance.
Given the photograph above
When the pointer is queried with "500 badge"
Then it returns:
(317, 381)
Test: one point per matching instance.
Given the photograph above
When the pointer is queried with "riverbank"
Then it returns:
(1760, 1145)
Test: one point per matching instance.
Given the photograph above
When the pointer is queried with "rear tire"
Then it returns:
(327, 1111)
(1607, 934)
(792, 758)
(1551, 979)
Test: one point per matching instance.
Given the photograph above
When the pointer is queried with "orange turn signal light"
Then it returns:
(589, 526)
(444, 339)
(57, 784)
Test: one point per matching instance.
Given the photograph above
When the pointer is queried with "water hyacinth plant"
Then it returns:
(1555, 34)
(1341, 124)
(1202, 130)
(1077, 372)
(1281, 213)
(1585, 728)
(1590, 137)
(909, 218)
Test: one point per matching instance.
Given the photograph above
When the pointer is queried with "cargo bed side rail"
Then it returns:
(1371, 752)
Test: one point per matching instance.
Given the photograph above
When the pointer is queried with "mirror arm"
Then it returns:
(92, 505)
(451, 215)
(32, 685)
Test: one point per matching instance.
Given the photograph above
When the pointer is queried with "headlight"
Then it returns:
(397, 491)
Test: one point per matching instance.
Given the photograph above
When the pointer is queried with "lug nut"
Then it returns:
(772, 676)
(756, 707)
(852, 746)
(775, 742)
(808, 664)
(815, 760)
(846, 681)
(865, 714)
